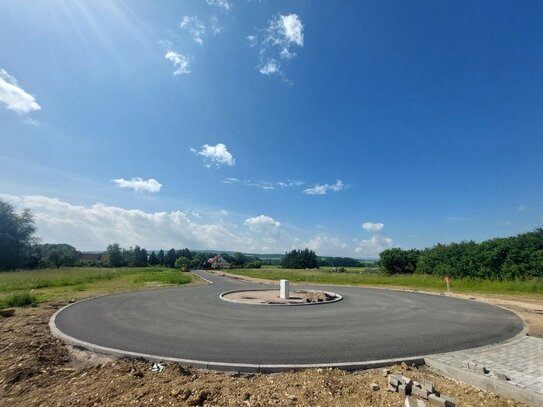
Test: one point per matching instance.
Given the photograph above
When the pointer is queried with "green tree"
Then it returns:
(182, 263)
(170, 258)
(153, 259)
(113, 256)
(59, 255)
(16, 235)
(300, 259)
(137, 257)
(160, 257)
(396, 261)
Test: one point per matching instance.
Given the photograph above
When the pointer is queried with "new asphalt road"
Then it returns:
(368, 324)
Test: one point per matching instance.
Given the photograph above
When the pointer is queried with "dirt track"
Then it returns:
(39, 370)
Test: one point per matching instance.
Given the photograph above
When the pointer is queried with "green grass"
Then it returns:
(67, 283)
(21, 300)
(357, 276)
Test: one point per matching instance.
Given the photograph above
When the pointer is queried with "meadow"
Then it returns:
(30, 287)
(362, 276)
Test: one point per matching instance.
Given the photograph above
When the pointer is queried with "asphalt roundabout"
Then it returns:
(194, 326)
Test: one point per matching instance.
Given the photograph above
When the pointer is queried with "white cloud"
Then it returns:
(323, 189)
(262, 222)
(280, 37)
(326, 245)
(224, 4)
(195, 27)
(265, 184)
(290, 28)
(14, 97)
(372, 247)
(93, 227)
(180, 61)
(270, 67)
(373, 227)
(215, 155)
(139, 184)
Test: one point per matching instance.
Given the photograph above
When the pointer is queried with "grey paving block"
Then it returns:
(404, 389)
(437, 401)
(393, 381)
(417, 391)
(428, 386)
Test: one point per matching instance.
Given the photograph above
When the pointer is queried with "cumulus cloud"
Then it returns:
(277, 41)
(323, 189)
(93, 227)
(216, 155)
(223, 4)
(14, 97)
(180, 61)
(195, 27)
(326, 245)
(139, 184)
(373, 227)
(372, 247)
(262, 222)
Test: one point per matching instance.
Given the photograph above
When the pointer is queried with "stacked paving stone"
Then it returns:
(399, 383)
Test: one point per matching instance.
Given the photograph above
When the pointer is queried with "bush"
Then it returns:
(22, 300)
(253, 265)
(398, 261)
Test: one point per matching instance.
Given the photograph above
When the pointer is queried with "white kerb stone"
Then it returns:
(284, 291)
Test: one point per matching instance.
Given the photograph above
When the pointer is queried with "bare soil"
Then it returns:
(39, 370)
(271, 297)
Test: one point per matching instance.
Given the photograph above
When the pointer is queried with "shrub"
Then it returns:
(22, 300)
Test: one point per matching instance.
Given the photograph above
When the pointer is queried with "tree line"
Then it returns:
(516, 257)
(184, 259)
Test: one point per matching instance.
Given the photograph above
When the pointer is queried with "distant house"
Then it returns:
(218, 262)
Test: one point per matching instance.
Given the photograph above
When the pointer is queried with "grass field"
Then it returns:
(359, 276)
(35, 286)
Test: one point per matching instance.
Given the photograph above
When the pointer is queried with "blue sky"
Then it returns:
(261, 126)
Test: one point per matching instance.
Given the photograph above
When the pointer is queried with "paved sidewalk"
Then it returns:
(521, 360)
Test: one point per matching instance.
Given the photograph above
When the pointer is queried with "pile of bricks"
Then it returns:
(424, 391)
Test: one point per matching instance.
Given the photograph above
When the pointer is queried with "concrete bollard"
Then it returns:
(284, 291)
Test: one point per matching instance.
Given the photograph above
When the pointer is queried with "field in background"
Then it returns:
(361, 276)
(22, 287)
